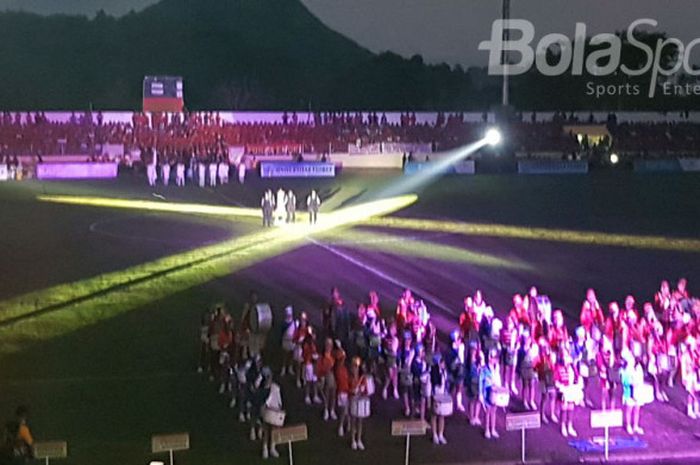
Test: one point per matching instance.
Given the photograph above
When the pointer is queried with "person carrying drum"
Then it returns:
(421, 392)
(633, 391)
(313, 203)
(442, 401)
(272, 412)
(489, 384)
(359, 403)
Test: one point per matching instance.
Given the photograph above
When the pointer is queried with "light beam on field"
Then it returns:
(432, 170)
(149, 205)
(67, 307)
(541, 234)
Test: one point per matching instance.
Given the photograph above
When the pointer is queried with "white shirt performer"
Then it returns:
(151, 171)
(313, 203)
(165, 170)
(212, 173)
(280, 206)
(291, 206)
(241, 171)
(223, 172)
(180, 174)
(202, 173)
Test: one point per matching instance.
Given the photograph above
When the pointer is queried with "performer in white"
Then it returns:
(291, 206)
(165, 171)
(212, 173)
(180, 174)
(273, 402)
(202, 173)
(241, 171)
(151, 171)
(223, 172)
(313, 203)
(442, 401)
(280, 206)
(634, 392)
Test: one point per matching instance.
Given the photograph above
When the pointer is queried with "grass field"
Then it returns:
(99, 307)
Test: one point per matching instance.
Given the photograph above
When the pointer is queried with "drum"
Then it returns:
(637, 349)
(369, 383)
(288, 344)
(500, 396)
(572, 394)
(298, 353)
(261, 318)
(342, 399)
(309, 375)
(241, 374)
(643, 394)
(405, 377)
(584, 371)
(360, 407)
(273, 417)
(664, 363)
(442, 405)
(425, 389)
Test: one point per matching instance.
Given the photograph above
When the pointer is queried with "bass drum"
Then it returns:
(261, 318)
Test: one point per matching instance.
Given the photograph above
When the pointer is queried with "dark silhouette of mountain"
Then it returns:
(233, 54)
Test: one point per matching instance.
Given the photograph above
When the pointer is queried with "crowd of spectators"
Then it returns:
(204, 133)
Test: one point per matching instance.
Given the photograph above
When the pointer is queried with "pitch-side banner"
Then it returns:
(280, 169)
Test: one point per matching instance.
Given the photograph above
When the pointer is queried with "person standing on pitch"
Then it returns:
(291, 207)
(151, 167)
(241, 171)
(202, 173)
(213, 167)
(268, 206)
(313, 203)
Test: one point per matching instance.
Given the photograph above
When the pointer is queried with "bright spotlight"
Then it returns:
(614, 158)
(493, 137)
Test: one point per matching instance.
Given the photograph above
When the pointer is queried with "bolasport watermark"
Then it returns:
(604, 60)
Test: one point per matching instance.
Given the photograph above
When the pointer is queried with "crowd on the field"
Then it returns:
(206, 134)
(627, 355)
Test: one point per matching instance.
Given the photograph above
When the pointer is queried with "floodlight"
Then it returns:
(493, 137)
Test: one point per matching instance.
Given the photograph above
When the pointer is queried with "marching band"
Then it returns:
(631, 358)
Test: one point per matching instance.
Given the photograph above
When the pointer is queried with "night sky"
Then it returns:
(444, 30)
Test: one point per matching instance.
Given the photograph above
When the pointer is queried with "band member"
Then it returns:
(632, 380)
(289, 327)
(456, 364)
(591, 312)
(475, 363)
(609, 372)
(545, 374)
(570, 387)
(689, 375)
(342, 381)
(151, 169)
(313, 203)
(406, 354)
(280, 206)
(241, 171)
(490, 378)
(421, 381)
(254, 399)
(272, 395)
(180, 173)
(310, 357)
(358, 389)
(438, 382)
(291, 206)
(390, 351)
(324, 372)
(509, 351)
(658, 364)
(302, 330)
(165, 171)
(204, 354)
(527, 359)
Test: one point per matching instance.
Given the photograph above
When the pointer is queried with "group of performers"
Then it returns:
(281, 207)
(210, 170)
(630, 357)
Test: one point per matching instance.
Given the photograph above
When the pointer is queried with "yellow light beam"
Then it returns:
(400, 245)
(150, 205)
(540, 234)
(64, 308)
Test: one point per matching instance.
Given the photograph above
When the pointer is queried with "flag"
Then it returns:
(163, 94)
